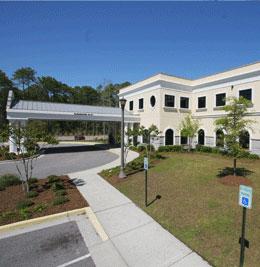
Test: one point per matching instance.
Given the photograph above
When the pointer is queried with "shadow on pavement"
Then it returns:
(77, 181)
(75, 148)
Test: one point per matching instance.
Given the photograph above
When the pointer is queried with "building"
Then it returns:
(164, 100)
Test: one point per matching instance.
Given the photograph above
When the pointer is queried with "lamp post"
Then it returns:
(122, 104)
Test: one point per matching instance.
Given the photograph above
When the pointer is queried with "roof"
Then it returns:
(26, 110)
(179, 83)
(61, 107)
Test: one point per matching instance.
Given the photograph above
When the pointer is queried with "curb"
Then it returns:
(42, 219)
(87, 211)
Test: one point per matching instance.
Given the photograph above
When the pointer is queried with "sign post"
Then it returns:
(245, 200)
(146, 166)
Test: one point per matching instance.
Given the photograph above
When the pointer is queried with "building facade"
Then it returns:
(164, 100)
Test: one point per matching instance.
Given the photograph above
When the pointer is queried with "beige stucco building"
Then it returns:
(164, 100)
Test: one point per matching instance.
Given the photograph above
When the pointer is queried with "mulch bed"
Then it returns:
(232, 180)
(13, 194)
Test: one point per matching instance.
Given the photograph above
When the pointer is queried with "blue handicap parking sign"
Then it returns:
(245, 201)
(245, 196)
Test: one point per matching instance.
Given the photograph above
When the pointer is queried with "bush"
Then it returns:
(5, 216)
(9, 180)
(40, 207)
(2, 188)
(24, 204)
(57, 186)
(53, 179)
(61, 192)
(136, 164)
(206, 149)
(25, 214)
(176, 148)
(60, 200)
(32, 180)
(33, 186)
(32, 194)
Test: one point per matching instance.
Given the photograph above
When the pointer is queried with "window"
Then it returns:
(152, 100)
(202, 102)
(247, 94)
(131, 105)
(169, 101)
(220, 100)
(184, 139)
(184, 102)
(141, 103)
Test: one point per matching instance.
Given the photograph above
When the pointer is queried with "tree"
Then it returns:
(147, 134)
(189, 128)
(5, 86)
(26, 138)
(233, 124)
(24, 76)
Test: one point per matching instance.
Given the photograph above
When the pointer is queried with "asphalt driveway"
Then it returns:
(61, 245)
(63, 163)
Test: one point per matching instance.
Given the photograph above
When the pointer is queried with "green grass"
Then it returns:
(199, 210)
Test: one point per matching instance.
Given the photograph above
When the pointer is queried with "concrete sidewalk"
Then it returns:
(135, 239)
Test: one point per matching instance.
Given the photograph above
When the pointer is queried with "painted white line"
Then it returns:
(74, 261)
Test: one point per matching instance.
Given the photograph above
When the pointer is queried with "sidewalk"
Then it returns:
(135, 239)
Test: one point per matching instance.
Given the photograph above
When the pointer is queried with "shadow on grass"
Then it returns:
(77, 182)
(229, 171)
(156, 198)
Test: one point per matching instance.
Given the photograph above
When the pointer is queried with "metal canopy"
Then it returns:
(34, 110)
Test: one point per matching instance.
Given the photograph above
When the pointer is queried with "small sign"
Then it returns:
(146, 164)
(245, 196)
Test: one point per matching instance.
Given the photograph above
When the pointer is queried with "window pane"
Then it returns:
(247, 94)
(169, 101)
(141, 103)
(131, 105)
(202, 102)
(221, 100)
(184, 102)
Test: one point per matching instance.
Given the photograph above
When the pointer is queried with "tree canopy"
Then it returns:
(26, 85)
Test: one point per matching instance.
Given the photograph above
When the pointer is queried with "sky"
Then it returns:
(92, 43)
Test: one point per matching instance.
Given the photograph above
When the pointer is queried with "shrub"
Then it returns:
(2, 188)
(40, 207)
(60, 200)
(61, 192)
(57, 186)
(5, 216)
(176, 148)
(33, 186)
(24, 204)
(25, 213)
(136, 164)
(32, 180)
(53, 179)
(32, 194)
(253, 156)
(9, 180)
(206, 149)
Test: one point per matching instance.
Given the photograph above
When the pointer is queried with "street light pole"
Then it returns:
(122, 174)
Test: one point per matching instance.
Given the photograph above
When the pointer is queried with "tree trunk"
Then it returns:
(235, 167)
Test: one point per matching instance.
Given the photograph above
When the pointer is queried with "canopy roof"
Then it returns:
(27, 110)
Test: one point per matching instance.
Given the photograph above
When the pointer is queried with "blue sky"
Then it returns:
(92, 43)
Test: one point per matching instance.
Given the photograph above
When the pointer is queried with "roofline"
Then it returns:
(189, 80)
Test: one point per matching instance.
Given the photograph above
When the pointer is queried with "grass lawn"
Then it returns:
(197, 208)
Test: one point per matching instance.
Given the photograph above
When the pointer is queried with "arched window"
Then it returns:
(201, 137)
(152, 100)
(219, 138)
(244, 139)
(169, 137)
(184, 139)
